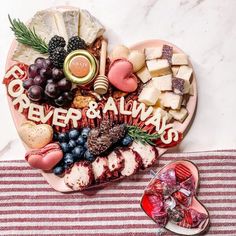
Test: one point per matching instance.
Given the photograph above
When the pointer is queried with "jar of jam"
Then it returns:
(80, 67)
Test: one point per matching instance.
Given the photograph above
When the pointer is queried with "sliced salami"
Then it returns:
(79, 176)
(148, 153)
(115, 163)
(100, 169)
(132, 161)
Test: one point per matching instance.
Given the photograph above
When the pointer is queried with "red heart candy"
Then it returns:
(182, 172)
(45, 158)
(121, 75)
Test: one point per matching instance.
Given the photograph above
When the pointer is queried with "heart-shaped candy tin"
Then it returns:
(170, 199)
(147, 101)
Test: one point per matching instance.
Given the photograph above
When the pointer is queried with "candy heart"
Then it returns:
(45, 158)
(191, 221)
(121, 75)
(35, 136)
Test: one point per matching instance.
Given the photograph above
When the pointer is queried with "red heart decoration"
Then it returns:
(121, 75)
(170, 200)
(45, 158)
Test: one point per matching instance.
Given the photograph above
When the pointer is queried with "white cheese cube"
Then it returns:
(172, 100)
(191, 90)
(179, 59)
(163, 83)
(162, 113)
(149, 95)
(179, 115)
(175, 70)
(185, 73)
(153, 53)
(158, 67)
(144, 75)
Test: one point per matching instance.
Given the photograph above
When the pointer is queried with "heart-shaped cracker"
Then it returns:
(121, 75)
(35, 136)
(182, 174)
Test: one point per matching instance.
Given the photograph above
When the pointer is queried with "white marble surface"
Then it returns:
(204, 29)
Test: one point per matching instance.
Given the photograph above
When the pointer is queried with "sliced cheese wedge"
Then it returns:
(179, 115)
(89, 27)
(163, 83)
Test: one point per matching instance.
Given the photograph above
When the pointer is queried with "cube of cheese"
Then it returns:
(179, 115)
(180, 86)
(175, 70)
(179, 59)
(153, 53)
(185, 73)
(191, 90)
(144, 75)
(172, 100)
(163, 83)
(158, 67)
(162, 113)
(149, 95)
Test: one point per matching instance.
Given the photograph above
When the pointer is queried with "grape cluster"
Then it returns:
(47, 83)
(74, 146)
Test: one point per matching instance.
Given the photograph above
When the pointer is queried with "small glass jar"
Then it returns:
(80, 67)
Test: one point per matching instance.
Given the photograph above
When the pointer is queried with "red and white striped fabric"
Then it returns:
(28, 206)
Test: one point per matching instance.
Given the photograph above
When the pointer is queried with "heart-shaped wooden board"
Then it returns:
(57, 182)
(195, 204)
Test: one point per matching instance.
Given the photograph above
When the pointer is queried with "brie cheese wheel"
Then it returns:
(163, 83)
(89, 27)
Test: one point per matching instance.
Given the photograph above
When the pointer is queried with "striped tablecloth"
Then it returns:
(28, 206)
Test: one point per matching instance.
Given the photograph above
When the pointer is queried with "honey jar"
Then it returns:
(80, 67)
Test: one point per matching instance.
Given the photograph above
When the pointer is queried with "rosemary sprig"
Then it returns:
(28, 36)
(140, 135)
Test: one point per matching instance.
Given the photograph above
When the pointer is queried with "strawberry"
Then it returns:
(182, 172)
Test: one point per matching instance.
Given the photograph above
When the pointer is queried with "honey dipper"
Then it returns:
(101, 82)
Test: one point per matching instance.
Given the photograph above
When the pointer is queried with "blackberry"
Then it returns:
(55, 42)
(75, 43)
(58, 56)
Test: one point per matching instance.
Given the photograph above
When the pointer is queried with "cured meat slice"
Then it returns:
(148, 153)
(115, 163)
(132, 161)
(79, 176)
(100, 169)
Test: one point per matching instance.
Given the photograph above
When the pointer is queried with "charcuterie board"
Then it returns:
(88, 116)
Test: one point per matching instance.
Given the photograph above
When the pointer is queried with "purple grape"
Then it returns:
(60, 101)
(33, 70)
(68, 96)
(39, 62)
(50, 81)
(57, 74)
(28, 82)
(35, 93)
(47, 63)
(64, 85)
(45, 73)
(40, 81)
(51, 90)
